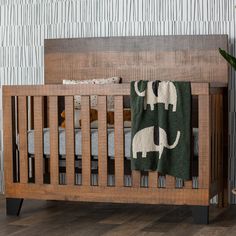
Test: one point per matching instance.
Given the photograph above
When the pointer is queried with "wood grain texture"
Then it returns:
(140, 43)
(189, 58)
(188, 184)
(204, 141)
(38, 139)
(23, 139)
(152, 179)
(102, 141)
(217, 146)
(54, 144)
(86, 141)
(111, 194)
(119, 142)
(170, 181)
(88, 89)
(70, 140)
(136, 179)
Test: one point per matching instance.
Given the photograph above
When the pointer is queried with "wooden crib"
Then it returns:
(181, 58)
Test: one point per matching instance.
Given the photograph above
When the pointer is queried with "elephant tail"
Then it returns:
(140, 94)
(176, 141)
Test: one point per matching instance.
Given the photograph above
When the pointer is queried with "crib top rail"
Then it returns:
(103, 90)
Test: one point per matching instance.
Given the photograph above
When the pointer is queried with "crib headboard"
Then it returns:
(185, 58)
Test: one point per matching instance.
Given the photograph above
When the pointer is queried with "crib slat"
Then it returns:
(119, 142)
(53, 125)
(152, 179)
(8, 137)
(38, 139)
(188, 184)
(204, 141)
(86, 140)
(170, 181)
(136, 178)
(23, 139)
(70, 142)
(102, 141)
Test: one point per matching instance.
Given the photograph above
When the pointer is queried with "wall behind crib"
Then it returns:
(24, 24)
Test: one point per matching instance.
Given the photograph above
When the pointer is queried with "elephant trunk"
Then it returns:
(140, 94)
(175, 142)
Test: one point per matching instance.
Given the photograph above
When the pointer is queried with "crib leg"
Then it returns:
(200, 214)
(13, 206)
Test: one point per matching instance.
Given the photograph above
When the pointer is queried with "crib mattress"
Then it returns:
(94, 142)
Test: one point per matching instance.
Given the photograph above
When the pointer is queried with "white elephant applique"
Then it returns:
(143, 142)
(166, 94)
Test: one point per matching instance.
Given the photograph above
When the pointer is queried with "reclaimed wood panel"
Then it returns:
(135, 44)
(86, 141)
(119, 141)
(102, 141)
(23, 138)
(38, 138)
(134, 58)
(191, 73)
(70, 140)
(54, 142)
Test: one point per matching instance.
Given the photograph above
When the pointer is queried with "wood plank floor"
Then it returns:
(74, 218)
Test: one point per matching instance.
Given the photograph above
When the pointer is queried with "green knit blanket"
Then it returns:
(161, 128)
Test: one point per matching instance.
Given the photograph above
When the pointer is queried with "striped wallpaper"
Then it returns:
(24, 24)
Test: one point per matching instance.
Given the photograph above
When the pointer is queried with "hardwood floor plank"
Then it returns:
(77, 218)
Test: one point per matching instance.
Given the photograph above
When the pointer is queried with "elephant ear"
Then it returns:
(228, 58)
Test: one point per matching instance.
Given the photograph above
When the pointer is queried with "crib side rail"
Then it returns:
(71, 90)
(16, 104)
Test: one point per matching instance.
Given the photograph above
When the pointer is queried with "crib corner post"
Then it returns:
(13, 206)
(200, 214)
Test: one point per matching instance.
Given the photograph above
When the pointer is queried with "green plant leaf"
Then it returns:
(228, 58)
